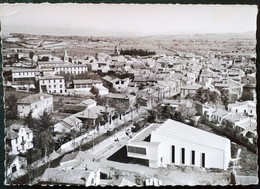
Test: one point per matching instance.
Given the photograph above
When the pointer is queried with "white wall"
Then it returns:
(214, 158)
(37, 107)
(16, 143)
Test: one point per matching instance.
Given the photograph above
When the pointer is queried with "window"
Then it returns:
(244, 111)
(28, 135)
(193, 157)
(203, 160)
(137, 150)
(49, 86)
(54, 81)
(61, 80)
(16, 140)
(251, 111)
(60, 86)
(173, 154)
(54, 91)
(35, 106)
(236, 110)
(54, 85)
(183, 155)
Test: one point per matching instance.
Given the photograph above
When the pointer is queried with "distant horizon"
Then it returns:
(123, 35)
(126, 19)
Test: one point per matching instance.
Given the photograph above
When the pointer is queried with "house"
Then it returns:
(36, 103)
(15, 165)
(246, 107)
(218, 115)
(19, 139)
(85, 84)
(70, 177)
(114, 83)
(125, 100)
(189, 89)
(233, 87)
(100, 90)
(93, 116)
(173, 142)
(67, 124)
(233, 119)
(52, 84)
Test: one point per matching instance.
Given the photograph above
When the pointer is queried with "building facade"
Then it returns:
(36, 103)
(19, 139)
(176, 143)
(52, 84)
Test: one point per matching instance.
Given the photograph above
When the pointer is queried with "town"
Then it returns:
(145, 111)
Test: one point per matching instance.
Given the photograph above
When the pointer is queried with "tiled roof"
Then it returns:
(33, 98)
(111, 79)
(10, 134)
(17, 127)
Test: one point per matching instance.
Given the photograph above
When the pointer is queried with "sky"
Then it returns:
(122, 19)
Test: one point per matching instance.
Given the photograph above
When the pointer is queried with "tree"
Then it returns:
(45, 142)
(11, 107)
(247, 95)
(29, 120)
(45, 121)
(31, 54)
(225, 97)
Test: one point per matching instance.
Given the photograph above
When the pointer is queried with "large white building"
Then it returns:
(71, 69)
(36, 103)
(52, 84)
(176, 143)
(19, 139)
(25, 74)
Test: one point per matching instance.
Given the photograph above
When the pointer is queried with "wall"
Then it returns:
(214, 158)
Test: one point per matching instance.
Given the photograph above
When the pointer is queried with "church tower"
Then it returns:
(116, 52)
(66, 57)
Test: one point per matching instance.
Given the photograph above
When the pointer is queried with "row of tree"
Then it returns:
(137, 52)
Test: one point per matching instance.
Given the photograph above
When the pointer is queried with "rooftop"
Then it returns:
(119, 96)
(34, 98)
(111, 79)
(178, 130)
(51, 77)
(25, 70)
(85, 81)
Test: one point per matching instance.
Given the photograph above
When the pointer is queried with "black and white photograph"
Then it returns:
(129, 94)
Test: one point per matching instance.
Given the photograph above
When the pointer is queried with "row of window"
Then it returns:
(54, 81)
(26, 73)
(70, 68)
(54, 86)
(16, 140)
(192, 156)
(136, 150)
